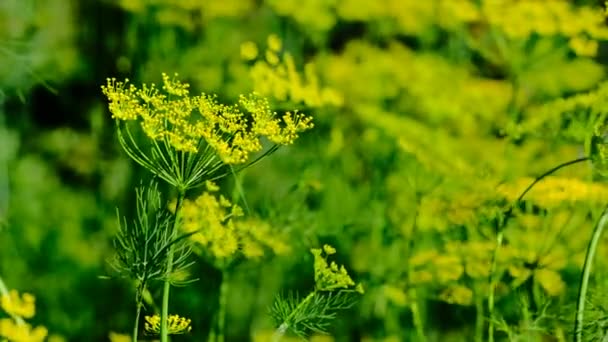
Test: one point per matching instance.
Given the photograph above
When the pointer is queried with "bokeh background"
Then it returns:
(430, 118)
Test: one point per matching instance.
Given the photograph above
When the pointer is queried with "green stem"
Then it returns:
(282, 329)
(416, 317)
(164, 314)
(221, 319)
(500, 237)
(136, 325)
(479, 319)
(582, 292)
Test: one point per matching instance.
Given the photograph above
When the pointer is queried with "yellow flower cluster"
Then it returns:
(396, 73)
(520, 19)
(553, 191)
(186, 13)
(22, 306)
(276, 75)
(188, 123)
(316, 15)
(220, 232)
(547, 119)
(539, 248)
(24, 332)
(19, 307)
(176, 325)
(329, 277)
(526, 260)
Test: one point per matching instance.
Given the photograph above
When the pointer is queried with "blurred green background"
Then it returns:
(430, 117)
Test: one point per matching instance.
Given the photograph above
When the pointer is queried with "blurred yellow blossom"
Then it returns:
(330, 276)
(278, 77)
(21, 332)
(221, 232)
(249, 51)
(19, 305)
(176, 325)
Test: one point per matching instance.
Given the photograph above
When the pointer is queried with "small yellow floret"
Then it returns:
(22, 306)
(14, 332)
(176, 325)
(249, 51)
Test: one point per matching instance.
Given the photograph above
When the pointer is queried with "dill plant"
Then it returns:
(333, 291)
(187, 141)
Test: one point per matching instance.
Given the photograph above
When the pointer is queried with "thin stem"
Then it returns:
(221, 316)
(548, 173)
(582, 292)
(417, 318)
(164, 314)
(479, 319)
(282, 329)
(136, 325)
(500, 237)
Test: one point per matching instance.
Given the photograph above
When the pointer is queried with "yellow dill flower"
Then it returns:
(22, 306)
(116, 337)
(583, 46)
(395, 294)
(553, 191)
(274, 43)
(221, 233)
(176, 325)
(249, 51)
(330, 276)
(276, 75)
(457, 294)
(169, 116)
(24, 332)
(197, 131)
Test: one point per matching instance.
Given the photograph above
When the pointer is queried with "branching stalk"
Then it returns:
(582, 292)
(282, 329)
(500, 237)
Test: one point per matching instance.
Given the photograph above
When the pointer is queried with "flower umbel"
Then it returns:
(330, 276)
(177, 325)
(192, 137)
(22, 306)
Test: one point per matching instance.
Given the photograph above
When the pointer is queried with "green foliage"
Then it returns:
(142, 246)
(313, 314)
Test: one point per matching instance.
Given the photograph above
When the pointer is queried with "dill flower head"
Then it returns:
(219, 230)
(170, 115)
(176, 325)
(23, 332)
(190, 138)
(330, 276)
(22, 306)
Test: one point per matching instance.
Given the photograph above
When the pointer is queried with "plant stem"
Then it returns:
(582, 292)
(479, 319)
(221, 319)
(416, 317)
(500, 237)
(136, 325)
(164, 314)
(282, 329)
